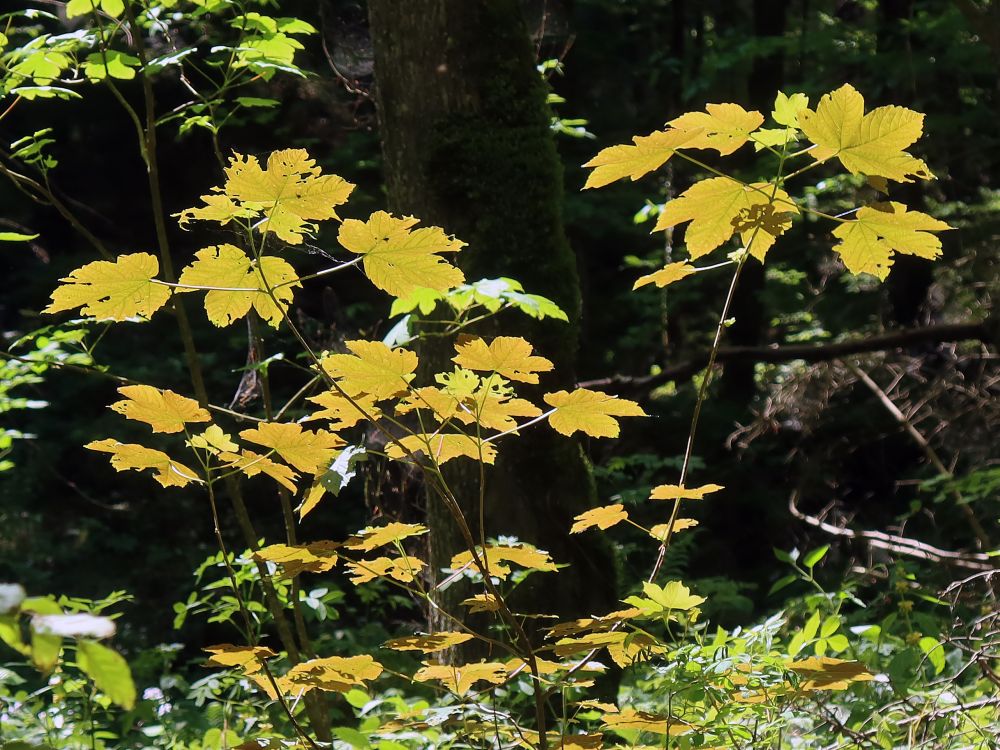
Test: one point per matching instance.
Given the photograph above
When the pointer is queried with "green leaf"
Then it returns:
(830, 626)
(815, 556)
(934, 652)
(15, 237)
(811, 627)
(108, 670)
(782, 583)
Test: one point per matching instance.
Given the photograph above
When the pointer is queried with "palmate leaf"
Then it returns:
(252, 464)
(868, 243)
(498, 557)
(665, 276)
(719, 207)
(648, 152)
(676, 492)
(336, 674)
(870, 144)
(590, 412)
(509, 356)
(723, 127)
(113, 290)
(241, 284)
(164, 411)
(342, 411)
(428, 643)
(248, 659)
(125, 456)
(373, 537)
(673, 595)
(317, 557)
(603, 518)
(443, 447)
(399, 259)
(286, 197)
(403, 569)
(308, 451)
(371, 368)
(460, 679)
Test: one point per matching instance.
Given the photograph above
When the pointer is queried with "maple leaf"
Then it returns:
(125, 456)
(676, 492)
(629, 719)
(647, 153)
(496, 413)
(661, 531)
(509, 356)
(342, 411)
(460, 679)
(252, 464)
(496, 556)
(724, 127)
(246, 658)
(827, 673)
(788, 108)
(590, 412)
(214, 440)
(288, 195)
(309, 452)
(603, 518)
(317, 557)
(372, 368)
(334, 673)
(667, 275)
(673, 595)
(402, 569)
(442, 405)
(428, 643)
(719, 207)
(373, 537)
(112, 290)
(442, 447)
(241, 283)
(164, 411)
(868, 243)
(482, 603)
(870, 144)
(399, 259)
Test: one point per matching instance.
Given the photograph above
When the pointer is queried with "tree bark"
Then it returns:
(467, 146)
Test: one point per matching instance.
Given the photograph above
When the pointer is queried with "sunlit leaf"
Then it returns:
(723, 127)
(113, 290)
(676, 492)
(826, 673)
(124, 456)
(428, 643)
(245, 658)
(496, 557)
(214, 440)
(164, 411)
(667, 275)
(306, 450)
(344, 412)
(603, 518)
(317, 557)
(647, 153)
(590, 412)
(460, 679)
(252, 464)
(373, 537)
(108, 670)
(404, 569)
(443, 447)
(372, 368)
(508, 356)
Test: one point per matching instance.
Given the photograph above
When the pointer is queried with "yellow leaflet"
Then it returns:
(603, 518)
(213, 440)
(428, 643)
(247, 658)
(371, 368)
(334, 674)
(590, 412)
(662, 530)
(508, 356)
(788, 108)
(724, 127)
(167, 472)
(116, 290)
(868, 243)
(398, 258)
(649, 152)
(667, 275)
(460, 679)
(676, 492)
(482, 603)
(374, 537)
(317, 557)
(826, 673)
(252, 464)
(673, 595)
(403, 569)
(340, 410)
(442, 447)
(872, 143)
(719, 207)
(642, 721)
(495, 558)
(309, 452)
(286, 197)
(241, 284)
(164, 411)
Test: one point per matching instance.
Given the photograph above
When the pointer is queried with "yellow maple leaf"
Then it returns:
(482, 603)
(496, 557)
(112, 290)
(603, 518)
(240, 284)
(398, 258)
(460, 679)
(723, 127)
(428, 643)
(719, 207)
(662, 530)
(509, 356)
(371, 368)
(333, 673)
(868, 243)
(628, 719)
(870, 144)
(676, 492)
(442, 447)
(247, 658)
(496, 413)
(647, 152)
(309, 452)
(827, 673)
(673, 595)
(344, 412)
(287, 196)
(214, 440)
(317, 557)
(252, 464)
(164, 411)
(403, 569)
(442, 405)
(590, 412)
(125, 456)
(667, 275)
(373, 537)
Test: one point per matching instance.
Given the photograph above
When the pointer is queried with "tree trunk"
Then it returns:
(467, 146)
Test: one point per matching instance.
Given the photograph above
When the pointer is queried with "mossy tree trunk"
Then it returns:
(467, 146)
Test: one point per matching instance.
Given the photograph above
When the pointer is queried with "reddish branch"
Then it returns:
(988, 332)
